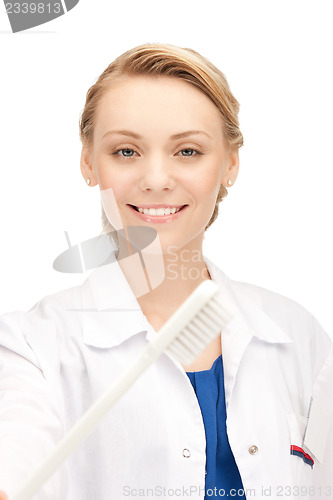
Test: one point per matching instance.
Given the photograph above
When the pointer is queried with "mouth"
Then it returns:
(158, 214)
(158, 211)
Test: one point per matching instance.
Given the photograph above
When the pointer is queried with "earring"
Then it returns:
(229, 182)
(88, 181)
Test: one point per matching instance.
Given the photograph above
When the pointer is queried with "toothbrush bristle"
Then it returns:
(204, 327)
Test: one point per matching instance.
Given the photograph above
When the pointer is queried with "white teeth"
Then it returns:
(159, 211)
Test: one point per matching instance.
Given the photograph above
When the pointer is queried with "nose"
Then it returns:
(156, 174)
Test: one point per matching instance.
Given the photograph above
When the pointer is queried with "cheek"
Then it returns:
(111, 177)
(206, 190)
(114, 190)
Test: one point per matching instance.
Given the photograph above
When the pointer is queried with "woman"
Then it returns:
(160, 137)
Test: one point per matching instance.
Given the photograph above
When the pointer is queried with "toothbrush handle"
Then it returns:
(86, 424)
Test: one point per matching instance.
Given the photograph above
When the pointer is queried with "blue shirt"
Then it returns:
(221, 469)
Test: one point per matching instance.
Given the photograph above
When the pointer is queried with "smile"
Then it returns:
(158, 214)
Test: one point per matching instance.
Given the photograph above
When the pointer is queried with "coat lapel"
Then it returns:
(251, 321)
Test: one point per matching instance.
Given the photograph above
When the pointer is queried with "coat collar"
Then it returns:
(110, 312)
(106, 296)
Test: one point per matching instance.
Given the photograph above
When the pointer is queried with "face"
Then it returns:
(158, 143)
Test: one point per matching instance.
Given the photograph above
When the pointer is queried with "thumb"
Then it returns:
(3, 495)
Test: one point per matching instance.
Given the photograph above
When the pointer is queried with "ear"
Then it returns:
(86, 166)
(232, 168)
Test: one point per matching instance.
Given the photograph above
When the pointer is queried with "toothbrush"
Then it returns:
(184, 336)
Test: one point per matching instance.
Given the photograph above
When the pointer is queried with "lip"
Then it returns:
(161, 205)
(159, 219)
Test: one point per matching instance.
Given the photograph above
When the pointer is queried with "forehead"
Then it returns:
(151, 103)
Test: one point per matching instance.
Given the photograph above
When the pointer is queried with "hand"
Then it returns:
(3, 495)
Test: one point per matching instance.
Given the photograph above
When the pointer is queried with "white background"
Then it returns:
(274, 228)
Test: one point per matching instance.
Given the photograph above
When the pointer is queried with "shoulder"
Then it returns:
(273, 303)
(280, 308)
(35, 334)
(286, 312)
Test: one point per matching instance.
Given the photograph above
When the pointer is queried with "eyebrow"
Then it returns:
(180, 135)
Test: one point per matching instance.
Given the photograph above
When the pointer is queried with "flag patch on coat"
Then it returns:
(296, 450)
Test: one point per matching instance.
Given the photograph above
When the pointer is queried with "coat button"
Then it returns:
(253, 449)
(186, 453)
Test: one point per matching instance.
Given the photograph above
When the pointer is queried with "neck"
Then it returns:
(184, 269)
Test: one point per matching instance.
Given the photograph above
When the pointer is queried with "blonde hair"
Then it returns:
(156, 59)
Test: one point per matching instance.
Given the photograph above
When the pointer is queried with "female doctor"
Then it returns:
(251, 416)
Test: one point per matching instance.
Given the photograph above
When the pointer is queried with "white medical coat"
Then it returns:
(57, 358)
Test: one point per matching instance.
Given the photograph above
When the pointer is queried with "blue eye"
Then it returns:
(189, 150)
(125, 150)
(129, 152)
